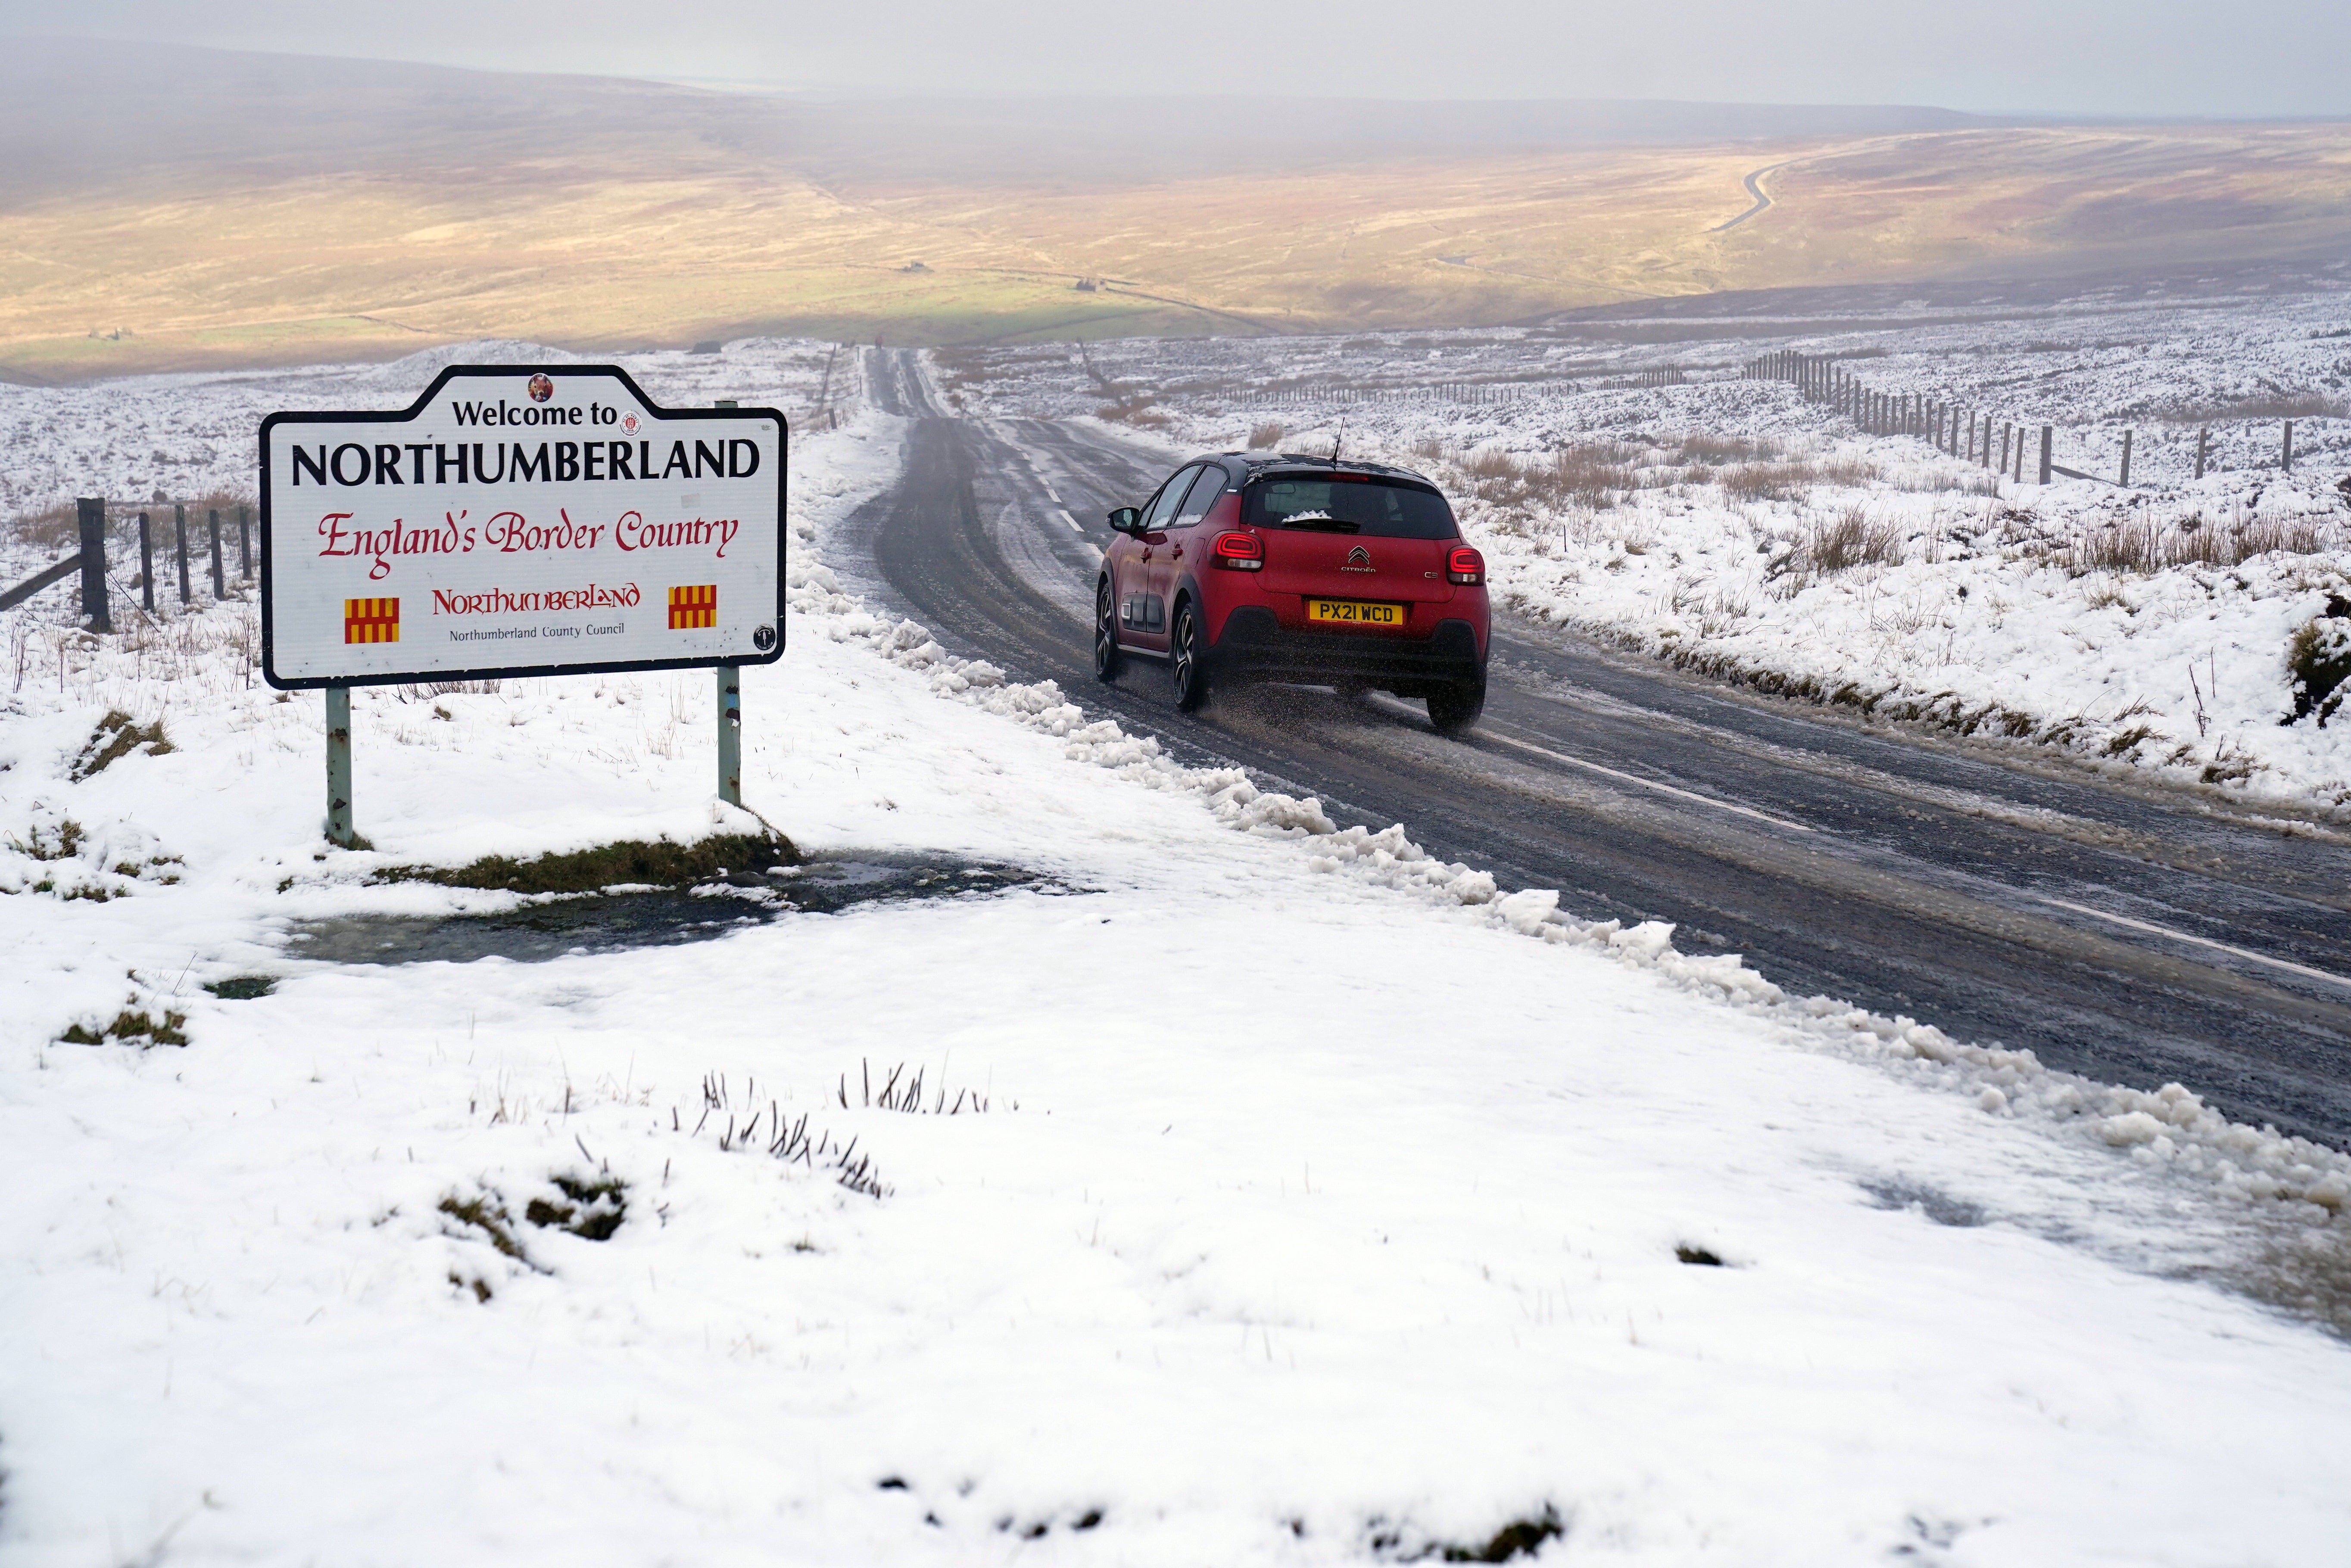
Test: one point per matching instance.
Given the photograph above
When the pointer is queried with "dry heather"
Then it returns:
(1598, 475)
(1851, 538)
(59, 528)
(2147, 545)
(1142, 411)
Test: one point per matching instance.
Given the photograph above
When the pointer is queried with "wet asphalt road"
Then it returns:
(2120, 931)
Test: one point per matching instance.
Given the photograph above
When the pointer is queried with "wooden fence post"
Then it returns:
(220, 588)
(180, 533)
(2289, 446)
(244, 543)
(2127, 446)
(89, 511)
(2203, 435)
(2048, 441)
(146, 566)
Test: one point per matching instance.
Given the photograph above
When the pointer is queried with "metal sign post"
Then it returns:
(730, 714)
(730, 733)
(518, 521)
(339, 766)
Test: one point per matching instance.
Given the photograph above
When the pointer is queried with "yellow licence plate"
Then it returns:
(1353, 612)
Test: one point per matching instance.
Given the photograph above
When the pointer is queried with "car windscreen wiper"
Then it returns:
(1324, 525)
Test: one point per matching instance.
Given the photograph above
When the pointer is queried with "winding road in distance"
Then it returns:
(1754, 183)
(2120, 931)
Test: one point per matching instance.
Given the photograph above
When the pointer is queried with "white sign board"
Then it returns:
(520, 521)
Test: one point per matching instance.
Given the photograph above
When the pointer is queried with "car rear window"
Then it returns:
(1345, 504)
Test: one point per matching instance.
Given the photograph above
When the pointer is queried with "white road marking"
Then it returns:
(1056, 496)
(1065, 515)
(2153, 930)
(1650, 784)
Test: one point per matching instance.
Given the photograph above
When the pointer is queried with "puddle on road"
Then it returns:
(651, 917)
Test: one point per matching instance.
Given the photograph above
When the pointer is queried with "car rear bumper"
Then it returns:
(1255, 643)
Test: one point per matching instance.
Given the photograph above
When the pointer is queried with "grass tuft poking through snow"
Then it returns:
(592, 1207)
(130, 1028)
(783, 1138)
(116, 737)
(2319, 658)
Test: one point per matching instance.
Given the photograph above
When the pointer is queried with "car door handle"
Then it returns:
(1146, 552)
(1176, 553)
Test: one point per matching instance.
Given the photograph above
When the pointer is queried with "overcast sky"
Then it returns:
(2249, 58)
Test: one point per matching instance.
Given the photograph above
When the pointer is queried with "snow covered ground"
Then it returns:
(1328, 1204)
(1728, 524)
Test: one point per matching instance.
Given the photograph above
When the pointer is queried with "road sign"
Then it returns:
(519, 520)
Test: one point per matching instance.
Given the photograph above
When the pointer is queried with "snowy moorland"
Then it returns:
(1273, 1192)
(1729, 525)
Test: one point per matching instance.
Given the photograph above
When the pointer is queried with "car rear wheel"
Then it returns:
(1108, 660)
(1186, 665)
(1455, 706)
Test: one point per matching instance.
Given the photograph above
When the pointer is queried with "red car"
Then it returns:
(1294, 568)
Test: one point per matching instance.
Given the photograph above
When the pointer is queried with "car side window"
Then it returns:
(1204, 491)
(1171, 495)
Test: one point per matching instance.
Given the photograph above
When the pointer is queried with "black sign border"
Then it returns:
(510, 672)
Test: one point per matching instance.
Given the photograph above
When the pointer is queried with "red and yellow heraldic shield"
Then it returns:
(370, 620)
(693, 607)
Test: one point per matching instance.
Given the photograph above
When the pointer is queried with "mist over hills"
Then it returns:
(80, 111)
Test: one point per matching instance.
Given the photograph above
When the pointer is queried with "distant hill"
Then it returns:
(173, 207)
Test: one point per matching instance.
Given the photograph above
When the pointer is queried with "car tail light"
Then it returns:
(1465, 566)
(1239, 552)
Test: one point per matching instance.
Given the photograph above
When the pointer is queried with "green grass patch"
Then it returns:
(659, 863)
(131, 1028)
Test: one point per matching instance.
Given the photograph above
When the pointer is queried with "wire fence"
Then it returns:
(89, 560)
(1971, 434)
